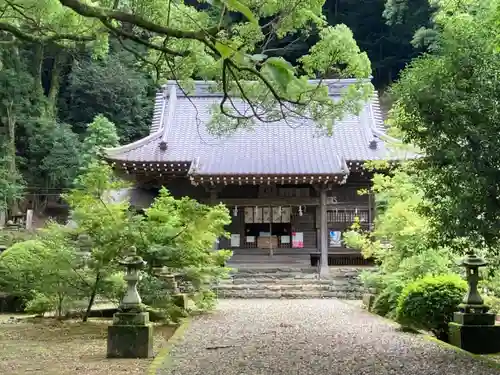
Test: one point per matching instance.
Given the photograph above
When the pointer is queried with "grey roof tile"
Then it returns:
(265, 149)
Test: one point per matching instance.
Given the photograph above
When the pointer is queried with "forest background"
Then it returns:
(52, 91)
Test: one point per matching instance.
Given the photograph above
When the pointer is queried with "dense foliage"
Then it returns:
(68, 264)
(447, 106)
(401, 241)
(59, 74)
(429, 303)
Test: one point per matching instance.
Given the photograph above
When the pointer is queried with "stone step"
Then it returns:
(266, 281)
(249, 269)
(291, 294)
(285, 287)
(288, 281)
(284, 276)
(289, 276)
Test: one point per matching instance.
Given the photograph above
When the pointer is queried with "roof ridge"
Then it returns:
(206, 88)
(111, 151)
(172, 98)
(158, 111)
(377, 125)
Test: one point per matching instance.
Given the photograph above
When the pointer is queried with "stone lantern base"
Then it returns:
(180, 300)
(475, 332)
(130, 336)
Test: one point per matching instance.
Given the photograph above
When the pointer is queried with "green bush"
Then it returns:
(386, 302)
(493, 303)
(381, 305)
(429, 303)
(11, 237)
(40, 304)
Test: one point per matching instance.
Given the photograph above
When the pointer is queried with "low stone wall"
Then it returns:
(343, 283)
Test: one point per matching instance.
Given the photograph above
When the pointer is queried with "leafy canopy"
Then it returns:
(447, 105)
(224, 41)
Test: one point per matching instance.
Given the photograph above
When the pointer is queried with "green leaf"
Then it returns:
(224, 50)
(242, 8)
(281, 70)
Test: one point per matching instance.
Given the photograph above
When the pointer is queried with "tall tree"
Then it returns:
(187, 42)
(17, 103)
(387, 45)
(447, 105)
(101, 133)
(49, 30)
(114, 87)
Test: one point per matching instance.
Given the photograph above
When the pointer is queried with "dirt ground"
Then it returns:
(49, 347)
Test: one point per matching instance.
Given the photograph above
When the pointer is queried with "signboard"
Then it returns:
(235, 240)
(258, 215)
(286, 213)
(335, 238)
(277, 214)
(285, 239)
(249, 214)
(266, 214)
(297, 239)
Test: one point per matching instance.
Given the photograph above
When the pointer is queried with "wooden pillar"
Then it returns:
(3, 218)
(323, 231)
(29, 219)
(213, 202)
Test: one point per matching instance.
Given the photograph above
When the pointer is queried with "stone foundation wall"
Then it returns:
(343, 283)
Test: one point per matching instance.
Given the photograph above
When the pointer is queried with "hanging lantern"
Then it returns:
(300, 211)
(235, 211)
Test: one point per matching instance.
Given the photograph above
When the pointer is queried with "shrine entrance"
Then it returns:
(267, 227)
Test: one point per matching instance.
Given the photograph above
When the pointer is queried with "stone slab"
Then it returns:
(475, 339)
(180, 300)
(472, 319)
(130, 341)
(368, 299)
(132, 319)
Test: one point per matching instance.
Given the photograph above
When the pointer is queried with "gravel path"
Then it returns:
(317, 337)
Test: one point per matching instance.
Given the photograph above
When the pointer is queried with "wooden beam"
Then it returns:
(323, 230)
(290, 201)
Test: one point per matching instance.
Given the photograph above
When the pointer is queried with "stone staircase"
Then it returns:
(291, 282)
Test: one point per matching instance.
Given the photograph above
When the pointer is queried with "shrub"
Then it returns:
(40, 304)
(386, 302)
(429, 303)
(493, 303)
(11, 237)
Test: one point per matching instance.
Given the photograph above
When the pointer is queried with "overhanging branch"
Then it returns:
(105, 14)
(29, 37)
(117, 32)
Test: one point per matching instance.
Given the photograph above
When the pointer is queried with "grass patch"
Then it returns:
(48, 346)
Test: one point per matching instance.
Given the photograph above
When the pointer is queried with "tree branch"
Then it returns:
(29, 37)
(145, 43)
(104, 14)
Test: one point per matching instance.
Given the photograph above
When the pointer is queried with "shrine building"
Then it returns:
(292, 190)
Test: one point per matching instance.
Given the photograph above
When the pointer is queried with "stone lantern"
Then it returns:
(473, 327)
(473, 302)
(179, 299)
(16, 218)
(131, 335)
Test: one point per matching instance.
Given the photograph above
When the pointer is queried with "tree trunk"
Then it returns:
(55, 83)
(92, 297)
(60, 300)
(11, 147)
(37, 67)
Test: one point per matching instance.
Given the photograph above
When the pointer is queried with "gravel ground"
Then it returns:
(317, 337)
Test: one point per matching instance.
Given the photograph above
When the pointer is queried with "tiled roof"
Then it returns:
(266, 149)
